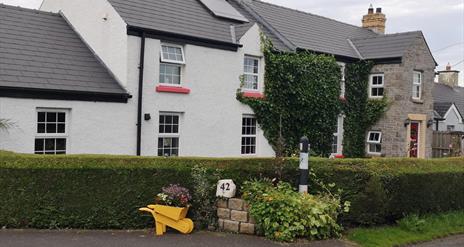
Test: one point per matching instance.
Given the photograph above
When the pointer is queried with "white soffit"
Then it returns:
(221, 8)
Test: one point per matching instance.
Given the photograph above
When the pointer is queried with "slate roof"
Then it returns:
(288, 29)
(386, 46)
(185, 17)
(39, 50)
(444, 95)
(309, 31)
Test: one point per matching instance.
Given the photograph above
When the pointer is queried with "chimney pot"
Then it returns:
(375, 22)
(370, 10)
(448, 67)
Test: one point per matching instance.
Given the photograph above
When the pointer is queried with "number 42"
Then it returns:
(225, 187)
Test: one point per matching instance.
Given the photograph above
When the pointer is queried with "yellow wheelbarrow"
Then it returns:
(173, 217)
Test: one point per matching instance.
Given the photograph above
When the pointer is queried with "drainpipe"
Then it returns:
(140, 95)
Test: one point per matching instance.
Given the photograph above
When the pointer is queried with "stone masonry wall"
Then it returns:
(234, 216)
(398, 89)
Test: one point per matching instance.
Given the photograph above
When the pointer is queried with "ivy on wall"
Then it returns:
(301, 98)
(360, 111)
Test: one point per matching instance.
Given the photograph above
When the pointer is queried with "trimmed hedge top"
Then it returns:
(104, 192)
(379, 165)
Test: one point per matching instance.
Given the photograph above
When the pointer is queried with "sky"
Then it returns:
(441, 21)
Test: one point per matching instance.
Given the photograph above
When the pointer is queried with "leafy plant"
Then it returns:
(412, 223)
(360, 111)
(283, 214)
(5, 124)
(204, 198)
(174, 195)
(302, 92)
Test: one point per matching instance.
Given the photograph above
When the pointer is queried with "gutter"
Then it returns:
(140, 94)
(180, 38)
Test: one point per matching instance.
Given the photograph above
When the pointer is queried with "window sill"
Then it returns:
(172, 89)
(255, 95)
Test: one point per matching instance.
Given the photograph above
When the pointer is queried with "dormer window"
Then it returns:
(172, 60)
(376, 86)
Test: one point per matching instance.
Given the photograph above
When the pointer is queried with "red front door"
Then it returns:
(414, 140)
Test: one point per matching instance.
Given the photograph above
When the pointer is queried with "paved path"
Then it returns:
(72, 238)
(452, 241)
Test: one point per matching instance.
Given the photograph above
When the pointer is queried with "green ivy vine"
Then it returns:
(301, 98)
(302, 92)
(360, 111)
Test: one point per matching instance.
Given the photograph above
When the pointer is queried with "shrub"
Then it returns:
(204, 195)
(283, 214)
(104, 192)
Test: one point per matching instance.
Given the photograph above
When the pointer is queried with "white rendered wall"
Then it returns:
(108, 38)
(452, 118)
(211, 121)
(211, 116)
(93, 127)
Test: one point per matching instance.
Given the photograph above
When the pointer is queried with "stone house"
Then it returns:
(160, 77)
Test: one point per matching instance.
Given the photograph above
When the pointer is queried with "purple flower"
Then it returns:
(177, 195)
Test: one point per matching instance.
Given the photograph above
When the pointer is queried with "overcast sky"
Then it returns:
(442, 21)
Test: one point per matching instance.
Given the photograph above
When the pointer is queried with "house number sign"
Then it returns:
(226, 188)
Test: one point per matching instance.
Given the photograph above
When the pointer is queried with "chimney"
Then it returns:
(449, 77)
(374, 21)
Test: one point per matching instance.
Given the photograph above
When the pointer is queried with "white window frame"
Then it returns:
(172, 84)
(416, 84)
(343, 78)
(165, 60)
(252, 74)
(372, 86)
(249, 135)
(64, 135)
(339, 135)
(176, 63)
(369, 141)
(169, 135)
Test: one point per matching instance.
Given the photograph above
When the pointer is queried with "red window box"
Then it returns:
(172, 89)
(256, 95)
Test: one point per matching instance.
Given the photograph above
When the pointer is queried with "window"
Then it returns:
(417, 85)
(172, 54)
(374, 142)
(251, 73)
(168, 139)
(51, 134)
(342, 82)
(170, 73)
(337, 140)
(450, 127)
(376, 86)
(172, 58)
(248, 135)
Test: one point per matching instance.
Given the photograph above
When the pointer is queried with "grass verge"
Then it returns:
(412, 229)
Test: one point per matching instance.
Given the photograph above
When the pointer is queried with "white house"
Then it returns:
(159, 78)
(188, 100)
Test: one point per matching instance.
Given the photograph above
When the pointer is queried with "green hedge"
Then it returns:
(95, 192)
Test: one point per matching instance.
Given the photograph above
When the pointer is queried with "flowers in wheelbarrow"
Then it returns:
(174, 195)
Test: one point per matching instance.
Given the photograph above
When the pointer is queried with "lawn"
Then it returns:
(411, 229)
